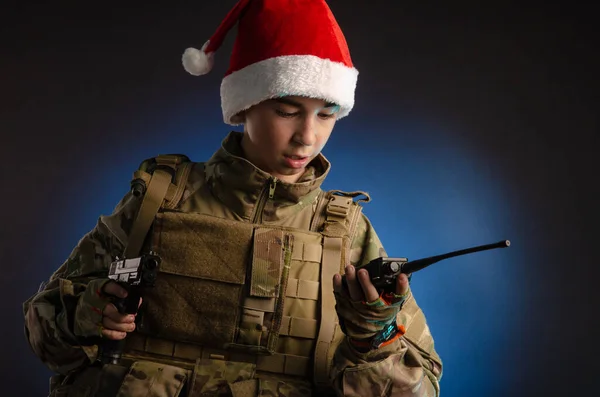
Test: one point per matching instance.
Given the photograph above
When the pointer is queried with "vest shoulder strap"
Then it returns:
(161, 181)
(336, 218)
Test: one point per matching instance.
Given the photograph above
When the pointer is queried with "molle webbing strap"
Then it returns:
(340, 221)
(159, 189)
(153, 198)
(332, 249)
(185, 355)
(175, 191)
(324, 199)
(303, 289)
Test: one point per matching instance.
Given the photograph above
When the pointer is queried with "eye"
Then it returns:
(333, 110)
(326, 116)
(285, 114)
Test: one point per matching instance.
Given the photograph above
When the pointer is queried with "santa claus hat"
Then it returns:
(283, 47)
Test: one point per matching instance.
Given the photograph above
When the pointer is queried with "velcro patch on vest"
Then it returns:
(201, 279)
(202, 246)
(262, 309)
(267, 263)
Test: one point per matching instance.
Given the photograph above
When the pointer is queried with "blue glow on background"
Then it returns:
(428, 198)
(431, 196)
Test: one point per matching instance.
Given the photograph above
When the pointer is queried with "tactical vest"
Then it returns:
(235, 300)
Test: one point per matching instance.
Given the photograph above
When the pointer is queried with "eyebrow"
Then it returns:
(291, 102)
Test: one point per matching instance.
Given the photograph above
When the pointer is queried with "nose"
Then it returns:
(306, 131)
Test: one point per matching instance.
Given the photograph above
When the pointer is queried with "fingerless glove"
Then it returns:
(88, 313)
(370, 325)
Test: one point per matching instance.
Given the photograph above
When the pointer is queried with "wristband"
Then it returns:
(383, 338)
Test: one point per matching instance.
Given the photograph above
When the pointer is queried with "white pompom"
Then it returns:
(197, 62)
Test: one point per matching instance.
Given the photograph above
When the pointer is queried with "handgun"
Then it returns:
(133, 275)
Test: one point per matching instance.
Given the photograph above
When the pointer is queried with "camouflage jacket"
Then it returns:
(407, 367)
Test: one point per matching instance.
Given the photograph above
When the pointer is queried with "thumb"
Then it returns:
(402, 285)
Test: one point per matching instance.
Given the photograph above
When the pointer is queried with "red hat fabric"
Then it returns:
(282, 47)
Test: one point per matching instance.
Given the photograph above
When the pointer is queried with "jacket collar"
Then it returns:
(255, 194)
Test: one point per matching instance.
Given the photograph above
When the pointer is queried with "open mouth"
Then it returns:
(296, 161)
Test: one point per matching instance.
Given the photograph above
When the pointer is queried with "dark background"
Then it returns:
(472, 124)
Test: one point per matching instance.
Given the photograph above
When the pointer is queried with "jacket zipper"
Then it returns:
(267, 193)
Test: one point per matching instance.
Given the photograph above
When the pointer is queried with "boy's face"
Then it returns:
(281, 136)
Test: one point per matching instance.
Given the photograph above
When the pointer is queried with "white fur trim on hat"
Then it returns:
(299, 75)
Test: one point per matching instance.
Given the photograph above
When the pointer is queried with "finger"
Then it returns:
(354, 288)
(368, 288)
(112, 334)
(337, 283)
(112, 288)
(117, 326)
(110, 311)
(402, 285)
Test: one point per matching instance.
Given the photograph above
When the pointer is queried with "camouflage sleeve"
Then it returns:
(51, 327)
(409, 366)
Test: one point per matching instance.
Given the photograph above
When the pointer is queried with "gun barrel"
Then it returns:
(418, 264)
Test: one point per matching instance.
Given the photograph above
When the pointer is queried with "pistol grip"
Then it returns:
(128, 305)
